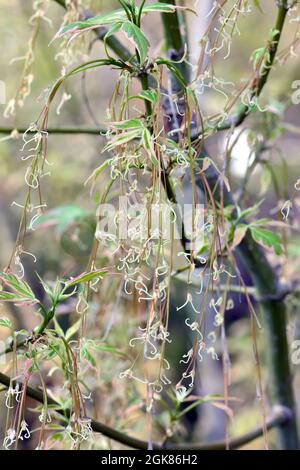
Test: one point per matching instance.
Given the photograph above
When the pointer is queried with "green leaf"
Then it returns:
(117, 16)
(91, 23)
(148, 145)
(113, 30)
(173, 69)
(97, 172)
(86, 277)
(267, 238)
(250, 210)
(135, 35)
(160, 7)
(128, 124)
(5, 322)
(238, 235)
(150, 95)
(122, 139)
(10, 297)
(21, 290)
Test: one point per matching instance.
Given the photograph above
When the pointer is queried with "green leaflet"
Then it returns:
(86, 277)
(21, 290)
(133, 129)
(135, 35)
(148, 145)
(267, 238)
(150, 95)
(128, 124)
(160, 7)
(112, 18)
(122, 139)
(94, 22)
(113, 30)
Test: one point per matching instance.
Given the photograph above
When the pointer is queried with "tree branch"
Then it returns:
(271, 294)
(54, 130)
(279, 416)
(258, 85)
(175, 44)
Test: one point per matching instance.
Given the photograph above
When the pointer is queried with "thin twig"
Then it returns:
(279, 416)
(15, 133)
(258, 84)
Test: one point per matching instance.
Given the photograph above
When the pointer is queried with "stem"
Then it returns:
(274, 314)
(280, 416)
(166, 181)
(56, 130)
(173, 39)
(127, 10)
(238, 119)
(140, 13)
(145, 85)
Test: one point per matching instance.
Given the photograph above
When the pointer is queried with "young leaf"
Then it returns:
(92, 23)
(238, 235)
(21, 290)
(165, 8)
(160, 7)
(135, 35)
(128, 124)
(122, 139)
(86, 277)
(97, 172)
(150, 95)
(267, 238)
(250, 210)
(113, 30)
(10, 297)
(148, 145)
